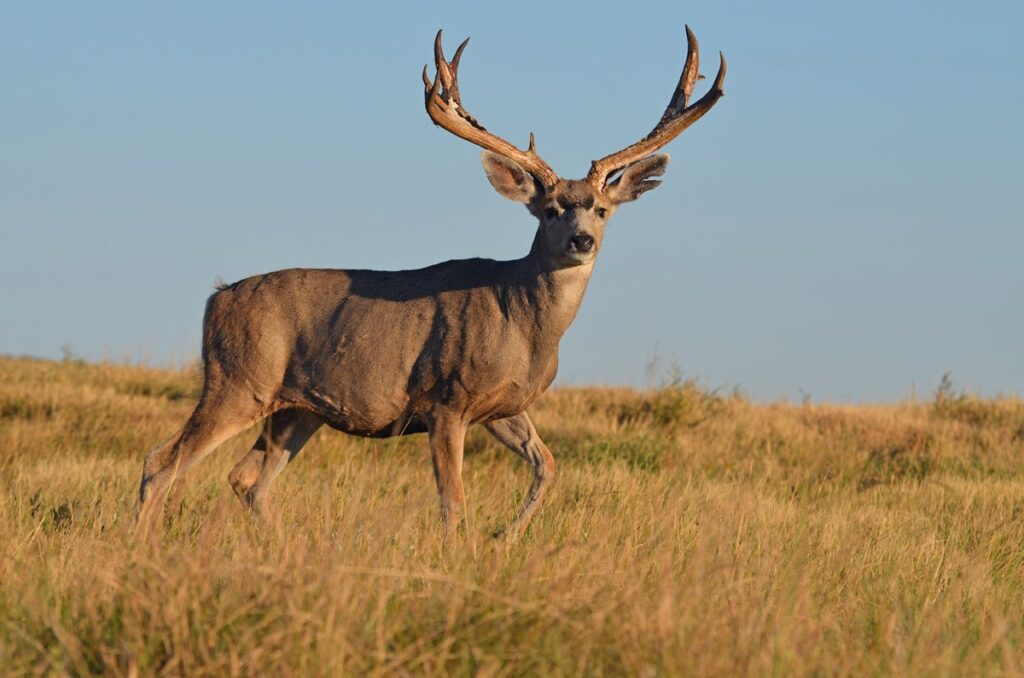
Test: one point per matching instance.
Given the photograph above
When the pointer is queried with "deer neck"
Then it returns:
(560, 293)
(550, 295)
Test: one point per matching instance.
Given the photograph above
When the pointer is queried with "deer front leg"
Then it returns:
(518, 434)
(447, 436)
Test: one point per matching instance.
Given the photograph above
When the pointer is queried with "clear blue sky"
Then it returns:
(846, 222)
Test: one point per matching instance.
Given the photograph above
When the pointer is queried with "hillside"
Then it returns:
(687, 532)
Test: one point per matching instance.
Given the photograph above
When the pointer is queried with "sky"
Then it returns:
(845, 225)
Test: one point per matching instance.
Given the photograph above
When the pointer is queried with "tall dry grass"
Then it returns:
(686, 534)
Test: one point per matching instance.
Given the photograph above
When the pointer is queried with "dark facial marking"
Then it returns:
(567, 202)
(576, 195)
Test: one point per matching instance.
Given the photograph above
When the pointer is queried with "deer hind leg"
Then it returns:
(212, 422)
(518, 434)
(447, 437)
(284, 435)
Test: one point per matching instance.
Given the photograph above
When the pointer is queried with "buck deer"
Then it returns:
(435, 350)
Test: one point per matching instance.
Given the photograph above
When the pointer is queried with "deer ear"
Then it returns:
(636, 179)
(508, 178)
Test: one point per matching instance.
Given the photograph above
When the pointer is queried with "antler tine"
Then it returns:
(444, 106)
(445, 72)
(688, 78)
(677, 117)
(454, 65)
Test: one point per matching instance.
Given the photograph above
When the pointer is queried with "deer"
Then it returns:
(433, 350)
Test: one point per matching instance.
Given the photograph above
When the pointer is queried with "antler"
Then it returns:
(445, 108)
(676, 118)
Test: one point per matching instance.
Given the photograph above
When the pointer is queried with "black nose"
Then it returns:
(583, 242)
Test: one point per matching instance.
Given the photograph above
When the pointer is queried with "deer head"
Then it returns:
(572, 212)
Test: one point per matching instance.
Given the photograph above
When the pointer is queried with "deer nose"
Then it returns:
(583, 242)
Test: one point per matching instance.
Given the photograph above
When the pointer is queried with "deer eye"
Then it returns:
(601, 212)
(551, 213)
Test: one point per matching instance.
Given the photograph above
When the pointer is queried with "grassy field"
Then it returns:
(687, 533)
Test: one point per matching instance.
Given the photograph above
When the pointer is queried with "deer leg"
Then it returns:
(518, 434)
(447, 437)
(283, 436)
(212, 422)
(247, 471)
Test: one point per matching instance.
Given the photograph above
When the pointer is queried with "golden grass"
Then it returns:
(686, 534)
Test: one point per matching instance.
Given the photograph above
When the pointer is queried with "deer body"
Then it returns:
(373, 353)
(436, 350)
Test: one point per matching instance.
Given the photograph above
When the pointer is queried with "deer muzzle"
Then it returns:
(581, 243)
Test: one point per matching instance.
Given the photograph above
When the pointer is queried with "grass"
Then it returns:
(687, 533)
